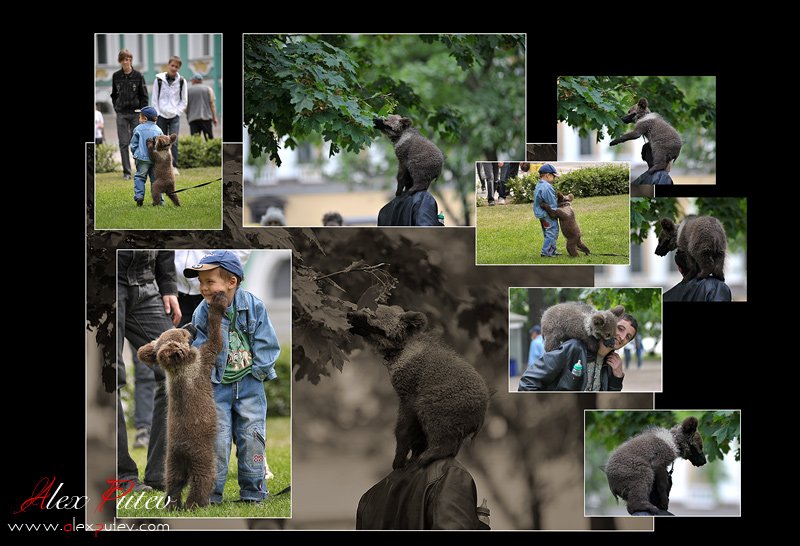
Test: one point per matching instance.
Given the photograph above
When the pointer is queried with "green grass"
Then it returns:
(201, 208)
(510, 234)
(280, 463)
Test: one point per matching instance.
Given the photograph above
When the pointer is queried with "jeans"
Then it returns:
(242, 414)
(550, 234)
(143, 170)
(141, 319)
(144, 390)
(169, 126)
(202, 126)
(510, 170)
(126, 123)
(490, 174)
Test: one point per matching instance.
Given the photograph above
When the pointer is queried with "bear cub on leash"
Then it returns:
(637, 470)
(443, 399)
(420, 160)
(161, 154)
(580, 321)
(569, 224)
(191, 411)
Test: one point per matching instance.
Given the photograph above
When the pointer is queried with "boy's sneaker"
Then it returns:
(501, 201)
(139, 202)
(142, 438)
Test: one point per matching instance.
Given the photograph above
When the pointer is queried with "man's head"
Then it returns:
(197, 78)
(174, 65)
(548, 172)
(627, 327)
(273, 217)
(535, 331)
(125, 60)
(332, 219)
(219, 271)
(148, 113)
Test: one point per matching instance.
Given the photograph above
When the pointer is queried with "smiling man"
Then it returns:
(556, 370)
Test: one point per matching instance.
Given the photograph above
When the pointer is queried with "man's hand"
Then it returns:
(171, 307)
(615, 363)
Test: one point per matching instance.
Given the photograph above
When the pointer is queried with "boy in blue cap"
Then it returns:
(146, 129)
(545, 193)
(250, 349)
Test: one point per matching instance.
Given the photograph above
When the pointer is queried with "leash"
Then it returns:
(598, 254)
(197, 186)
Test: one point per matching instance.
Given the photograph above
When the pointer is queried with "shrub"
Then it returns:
(195, 151)
(593, 181)
(521, 188)
(279, 390)
(104, 158)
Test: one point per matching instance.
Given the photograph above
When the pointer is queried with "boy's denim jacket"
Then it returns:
(252, 319)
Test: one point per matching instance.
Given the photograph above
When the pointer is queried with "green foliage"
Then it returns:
(612, 179)
(649, 212)
(643, 303)
(104, 158)
(611, 428)
(518, 300)
(719, 430)
(510, 234)
(732, 212)
(521, 188)
(279, 390)
(195, 151)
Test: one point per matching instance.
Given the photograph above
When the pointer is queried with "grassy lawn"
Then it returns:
(280, 463)
(201, 208)
(510, 234)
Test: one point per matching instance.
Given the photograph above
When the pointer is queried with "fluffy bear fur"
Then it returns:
(161, 154)
(568, 222)
(191, 413)
(701, 240)
(664, 139)
(637, 470)
(443, 399)
(581, 321)
(420, 160)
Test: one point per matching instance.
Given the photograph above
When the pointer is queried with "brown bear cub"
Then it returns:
(638, 468)
(568, 222)
(573, 320)
(665, 142)
(443, 399)
(192, 413)
(420, 160)
(701, 240)
(161, 155)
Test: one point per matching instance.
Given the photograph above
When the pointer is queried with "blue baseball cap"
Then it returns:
(548, 168)
(225, 259)
(537, 329)
(148, 111)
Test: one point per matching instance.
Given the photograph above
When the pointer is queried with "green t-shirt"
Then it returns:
(239, 355)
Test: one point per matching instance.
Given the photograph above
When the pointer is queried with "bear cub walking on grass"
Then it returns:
(160, 153)
(191, 413)
(420, 160)
(443, 399)
(637, 470)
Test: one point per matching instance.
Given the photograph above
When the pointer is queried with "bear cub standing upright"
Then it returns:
(420, 160)
(161, 154)
(443, 399)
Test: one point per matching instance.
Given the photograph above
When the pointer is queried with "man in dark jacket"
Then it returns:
(600, 372)
(441, 495)
(417, 209)
(128, 93)
(147, 305)
(706, 289)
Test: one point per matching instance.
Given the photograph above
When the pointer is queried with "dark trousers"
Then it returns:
(126, 123)
(168, 127)
(188, 303)
(141, 319)
(510, 170)
(203, 126)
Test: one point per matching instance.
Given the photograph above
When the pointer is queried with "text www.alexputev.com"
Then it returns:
(91, 527)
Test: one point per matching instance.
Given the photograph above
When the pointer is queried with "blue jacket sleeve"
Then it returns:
(264, 346)
(550, 197)
(134, 143)
(200, 321)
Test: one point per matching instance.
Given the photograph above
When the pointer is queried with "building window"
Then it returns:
(303, 153)
(206, 45)
(102, 49)
(636, 258)
(586, 145)
(281, 280)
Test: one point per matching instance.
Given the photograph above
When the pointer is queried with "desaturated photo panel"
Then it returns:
(693, 247)
(662, 463)
(665, 126)
(546, 213)
(366, 130)
(585, 340)
(204, 383)
(158, 131)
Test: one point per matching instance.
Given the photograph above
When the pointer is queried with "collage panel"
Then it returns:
(693, 247)
(662, 463)
(158, 104)
(200, 372)
(569, 340)
(665, 126)
(564, 213)
(376, 129)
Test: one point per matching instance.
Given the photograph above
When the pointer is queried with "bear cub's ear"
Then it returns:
(147, 353)
(414, 320)
(618, 311)
(689, 425)
(173, 137)
(667, 224)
